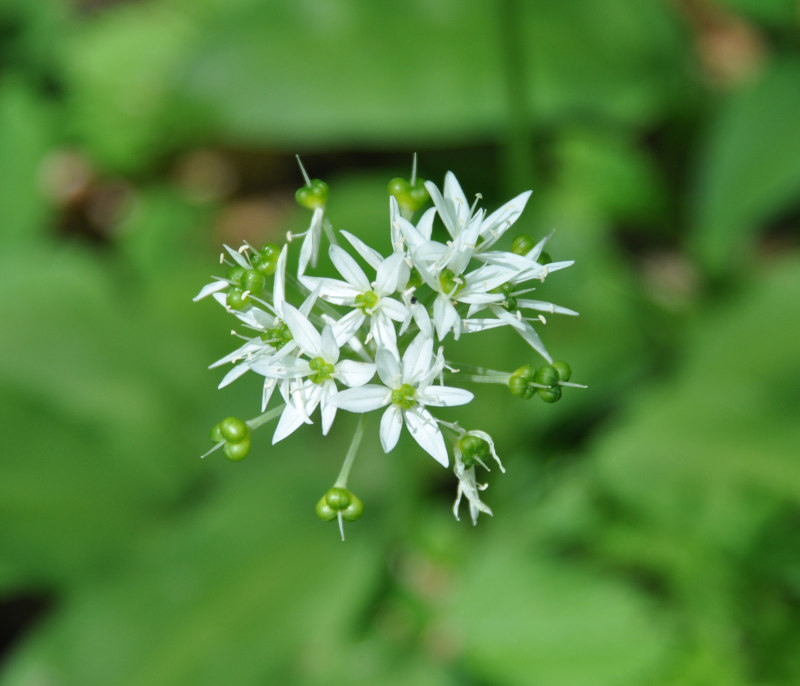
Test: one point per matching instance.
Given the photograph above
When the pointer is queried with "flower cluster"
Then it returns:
(375, 337)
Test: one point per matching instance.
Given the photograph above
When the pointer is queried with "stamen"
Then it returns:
(478, 197)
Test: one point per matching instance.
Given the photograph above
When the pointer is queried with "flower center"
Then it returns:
(451, 283)
(366, 301)
(278, 336)
(403, 397)
(320, 370)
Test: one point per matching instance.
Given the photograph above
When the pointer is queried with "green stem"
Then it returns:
(262, 419)
(341, 480)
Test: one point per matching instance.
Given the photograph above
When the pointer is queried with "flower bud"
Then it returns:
(233, 429)
(546, 376)
(522, 244)
(238, 450)
(520, 382)
(563, 369)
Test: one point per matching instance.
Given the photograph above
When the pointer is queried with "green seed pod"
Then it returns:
(324, 511)
(253, 281)
(216, 434)
(235, 299)
(550, 395)
(266, 259)
(522, 244)
(473, 450)
(235, 274)
(399, 188)
(417, 195)
(338, 498)
(233, 429)
(237, 451)
(520, 380)
(544, 258)
(313, 196)
(546, 376)
(354, 510)
(563, 369)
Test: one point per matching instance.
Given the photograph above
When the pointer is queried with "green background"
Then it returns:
(647, 530)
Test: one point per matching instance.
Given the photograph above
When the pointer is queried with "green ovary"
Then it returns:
(320, 370)
(403, 397)
(366, 301)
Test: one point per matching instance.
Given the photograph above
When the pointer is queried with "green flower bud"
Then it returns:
(233, 429)
(354, 510)
(235, 298)
(546, 376)
(324, 511)
(410, 197)
(338, 498)
(522, 244)
(238, 450)
(550, 395)
(235, 274)
(313, 196)
(563, 369)
(519, 383)
(253, 281)
(473, 450)
(266, 259)
(216, 434)
(398, 187)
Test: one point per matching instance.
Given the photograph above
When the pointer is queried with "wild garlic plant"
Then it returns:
(375, 339)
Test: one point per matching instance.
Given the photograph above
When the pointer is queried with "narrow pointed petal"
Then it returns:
(303, 331)
(279, 285)
(210, 288)
(445, 396)
(290, 421)
(327, 408)
(233, 374)
(348, 268)
(391, 423)
(383, 332)
(392, 274)
(371, 256)
(542, 306)
(237, 257)
(329, 350)
(424, 430)
(354, 374)
(417, 359)
(445, 316)
(363, 399)
(389, 369)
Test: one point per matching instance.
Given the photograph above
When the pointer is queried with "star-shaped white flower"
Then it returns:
(407, 389)
(369, 299)
(313, 380)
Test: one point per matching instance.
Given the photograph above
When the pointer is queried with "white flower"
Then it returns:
(407, 389)
(468, 485)
(314, 380)
(370, 299)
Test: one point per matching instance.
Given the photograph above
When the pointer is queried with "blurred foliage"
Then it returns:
(647, 528)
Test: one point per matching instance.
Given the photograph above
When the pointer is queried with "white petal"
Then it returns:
(233, 374)
(542, 306)
(267, 391)
(444, 396)
(290, 421)
(327, 407)
(498, 222)
(393, 309)
(383, 332)
(348, 268)
(388, 368)
(303, 331)
(392, 274)
(329, 350)
(363, 399)
(445, 315)
(345, 328)
(417, 359)
(391, 423)
(237, 257)
(458, 201)
(425, 223)
(424, 430)
(352, 373)
(371, 257)
(525, 330)
(333, 290)
(210, 288)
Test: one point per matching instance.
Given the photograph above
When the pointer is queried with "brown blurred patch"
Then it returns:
(731, 50)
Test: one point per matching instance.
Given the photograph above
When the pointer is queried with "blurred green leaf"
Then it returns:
(749, 170)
